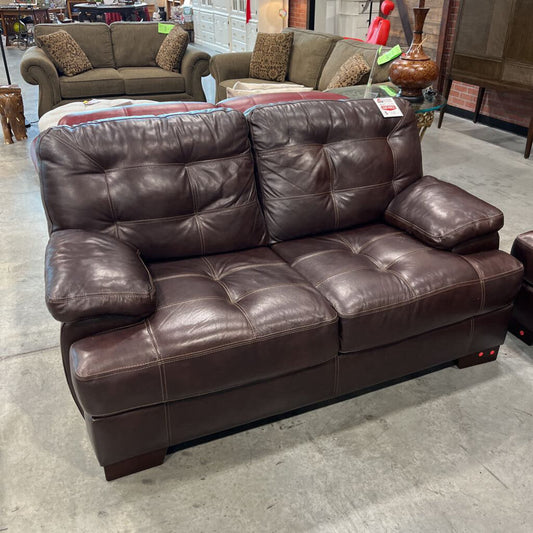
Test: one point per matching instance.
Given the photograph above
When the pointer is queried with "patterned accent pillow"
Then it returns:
(270, 58)
(65, 52)
(350, 72)
(172, 49)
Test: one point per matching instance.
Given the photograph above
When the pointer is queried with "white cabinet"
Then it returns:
(221, 30)
(349, 18)
(221, 24)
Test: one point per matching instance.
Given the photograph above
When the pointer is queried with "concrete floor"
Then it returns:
(449, 451)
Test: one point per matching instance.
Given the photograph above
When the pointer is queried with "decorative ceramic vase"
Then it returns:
(414, 70)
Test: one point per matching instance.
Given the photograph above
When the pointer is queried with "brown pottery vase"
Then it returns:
(414, 70)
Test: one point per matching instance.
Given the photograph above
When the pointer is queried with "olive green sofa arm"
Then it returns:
(229, 67)
(194, 65)
(37, 69)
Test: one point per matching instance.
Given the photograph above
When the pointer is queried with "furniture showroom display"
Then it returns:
(213, 268)
(522, 320)
(493, 49)
(315, 59)
(123, 56)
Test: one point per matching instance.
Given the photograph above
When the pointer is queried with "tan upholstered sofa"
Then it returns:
(123, 56)
(314, 60)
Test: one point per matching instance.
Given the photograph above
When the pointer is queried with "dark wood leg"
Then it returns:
(135, 464)
(447, 89)
(479, 103)
(529, 141)
(478, 358)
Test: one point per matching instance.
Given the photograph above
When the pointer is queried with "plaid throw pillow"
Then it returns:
(350, 72)
(65, 53)
(270, 58)
(172, 49)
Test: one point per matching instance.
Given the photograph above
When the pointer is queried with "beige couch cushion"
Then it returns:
(136, 44)
(94, 39)
(310, 51)
(345, 49)
(148, 80)
(230, 83)
(96, 82)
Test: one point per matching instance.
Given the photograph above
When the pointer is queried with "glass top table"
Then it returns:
(424, 110)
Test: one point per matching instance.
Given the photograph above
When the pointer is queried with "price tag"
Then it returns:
(388, 107)
(164, 28)
(393, 53)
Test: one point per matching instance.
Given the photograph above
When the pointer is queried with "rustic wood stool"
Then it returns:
(12, 113)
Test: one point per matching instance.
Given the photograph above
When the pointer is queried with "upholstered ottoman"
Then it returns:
(522, 320)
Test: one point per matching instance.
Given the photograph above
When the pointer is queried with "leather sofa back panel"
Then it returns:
(329, 165)
(172, 186)
(134, 44)
(94, 39)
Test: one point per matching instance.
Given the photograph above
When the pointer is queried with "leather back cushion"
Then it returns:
(94, 39)
(136, 45)
(173, 186)
(328, 165)
(134, 110)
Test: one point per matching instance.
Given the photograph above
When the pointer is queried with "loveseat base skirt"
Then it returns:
(135, 440)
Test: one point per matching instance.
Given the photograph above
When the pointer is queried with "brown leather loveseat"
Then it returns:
(213, 268)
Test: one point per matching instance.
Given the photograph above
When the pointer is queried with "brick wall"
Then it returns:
(431, 26)
(298, 13)
(508, 107)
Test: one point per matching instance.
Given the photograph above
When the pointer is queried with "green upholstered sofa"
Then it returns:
(123, 56)
(314, 60)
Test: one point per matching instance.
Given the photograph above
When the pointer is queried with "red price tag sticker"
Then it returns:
(388, 107)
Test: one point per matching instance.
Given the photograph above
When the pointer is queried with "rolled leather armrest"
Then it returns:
(441, 214)
(37, 69)
(90, 274)
(194, 65)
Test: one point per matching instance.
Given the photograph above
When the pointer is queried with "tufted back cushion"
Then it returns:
(172, 186)
(328, 165)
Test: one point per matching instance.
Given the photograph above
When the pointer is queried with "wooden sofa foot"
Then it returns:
(135, 464)
(478, 358)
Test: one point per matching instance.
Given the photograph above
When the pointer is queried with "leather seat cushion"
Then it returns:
(96, 82)
(387, 286)
(222, 321)
(148, 80)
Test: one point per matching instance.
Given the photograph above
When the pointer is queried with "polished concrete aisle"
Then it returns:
(450, 451)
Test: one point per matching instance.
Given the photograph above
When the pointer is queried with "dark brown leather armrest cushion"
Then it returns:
(441, 214)
(523, 251)
(90, 274)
